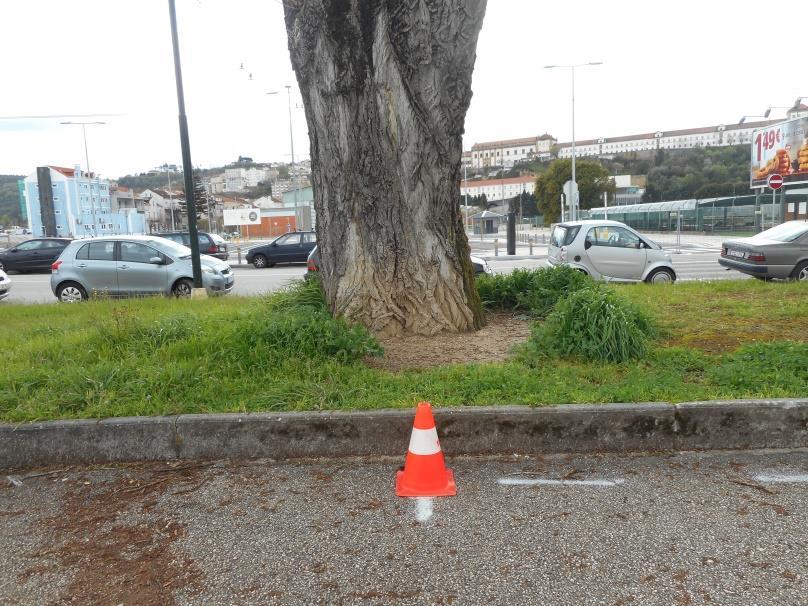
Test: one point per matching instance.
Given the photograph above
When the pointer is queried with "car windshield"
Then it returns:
(785, 232)
(175, 250)
(563, 235)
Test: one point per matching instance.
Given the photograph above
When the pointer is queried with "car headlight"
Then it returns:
(209, 270)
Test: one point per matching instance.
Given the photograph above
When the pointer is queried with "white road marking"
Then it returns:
(423, 508)
(549, 482)
(782, 478)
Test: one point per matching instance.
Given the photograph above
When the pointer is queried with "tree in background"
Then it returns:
(259, 191)
(386, 85)
(524, 202)
(10, 200)
(201, 200)
(593, 180)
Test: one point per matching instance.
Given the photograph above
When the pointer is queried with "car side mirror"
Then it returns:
(156, 261)
(14, 250)
(587, 244)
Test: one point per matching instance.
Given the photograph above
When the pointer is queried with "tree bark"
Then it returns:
(386, 85)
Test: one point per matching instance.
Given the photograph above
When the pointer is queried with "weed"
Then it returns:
(595, 324)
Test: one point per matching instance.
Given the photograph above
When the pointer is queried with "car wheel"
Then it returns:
(260, 261)
(661, 276)
(182, 288)
(800, 272)
(70, 292)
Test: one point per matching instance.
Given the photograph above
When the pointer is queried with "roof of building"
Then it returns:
(674, 133)
(505, 143)
(505, 181)
(487, 214)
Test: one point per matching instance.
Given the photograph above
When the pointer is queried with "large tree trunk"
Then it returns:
(386, 85)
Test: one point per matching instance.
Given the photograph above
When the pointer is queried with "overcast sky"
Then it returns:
(666, 66)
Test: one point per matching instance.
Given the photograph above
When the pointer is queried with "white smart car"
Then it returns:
(610, 251)
(5, 285)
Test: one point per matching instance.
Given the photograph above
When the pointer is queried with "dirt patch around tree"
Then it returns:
(492, 343)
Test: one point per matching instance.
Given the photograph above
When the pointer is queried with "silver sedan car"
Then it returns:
(610, 251)
(123, 266)
(780, 252)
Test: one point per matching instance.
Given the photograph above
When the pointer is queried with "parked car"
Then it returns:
(313, 264)
(780, 252)
(33, 255)
(121, 266)
(5, 285)
(292, 247)
(209, 244)
(610, 251)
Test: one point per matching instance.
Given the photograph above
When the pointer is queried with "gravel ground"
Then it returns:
(652, 530)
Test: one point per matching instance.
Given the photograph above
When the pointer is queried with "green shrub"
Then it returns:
(594, 324)
(530, 291)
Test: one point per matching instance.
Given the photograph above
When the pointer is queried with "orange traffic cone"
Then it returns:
(425, 473)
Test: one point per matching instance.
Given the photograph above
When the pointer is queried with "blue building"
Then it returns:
(66, 202)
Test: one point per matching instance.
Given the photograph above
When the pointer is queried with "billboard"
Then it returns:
(242, 216)
(780, 149)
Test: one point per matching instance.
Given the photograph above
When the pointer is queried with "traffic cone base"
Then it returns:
(447, 489)
(425, 473)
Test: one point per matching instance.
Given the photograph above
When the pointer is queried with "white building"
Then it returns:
(800, 110)
(215, 185)
(499, 189)
(708, 136)
(161, 204)
(510, 151)
(239, 179)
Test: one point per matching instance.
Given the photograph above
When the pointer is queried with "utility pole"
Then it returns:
(187, 167)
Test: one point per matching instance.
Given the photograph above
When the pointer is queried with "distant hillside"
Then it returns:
(10, 200)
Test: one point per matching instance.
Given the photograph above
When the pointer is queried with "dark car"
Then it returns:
(313, 264)
(209, 244)
(33, 255)
(780, 252)
(293, 247)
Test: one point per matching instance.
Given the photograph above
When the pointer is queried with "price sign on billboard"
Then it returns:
(780, 149)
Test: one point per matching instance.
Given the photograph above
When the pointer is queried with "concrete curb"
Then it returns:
(740, 424)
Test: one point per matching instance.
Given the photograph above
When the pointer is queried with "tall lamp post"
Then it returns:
(87, 162)
(573, 204)
(295, 172)
(187, 167)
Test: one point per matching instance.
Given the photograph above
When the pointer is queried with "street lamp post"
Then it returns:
(573, 204)
(295, 172)
(89, 178)
(187, 167)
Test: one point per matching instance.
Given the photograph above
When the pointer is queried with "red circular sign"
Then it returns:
(775, 181)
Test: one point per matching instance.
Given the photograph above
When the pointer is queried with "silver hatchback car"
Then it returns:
(124, 266)
(610, 251)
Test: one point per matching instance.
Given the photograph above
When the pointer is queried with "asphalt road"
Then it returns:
(697, 264)
(687, 529)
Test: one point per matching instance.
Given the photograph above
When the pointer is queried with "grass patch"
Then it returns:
(283, 352)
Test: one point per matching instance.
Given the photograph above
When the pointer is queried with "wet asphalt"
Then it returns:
(692, 528)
